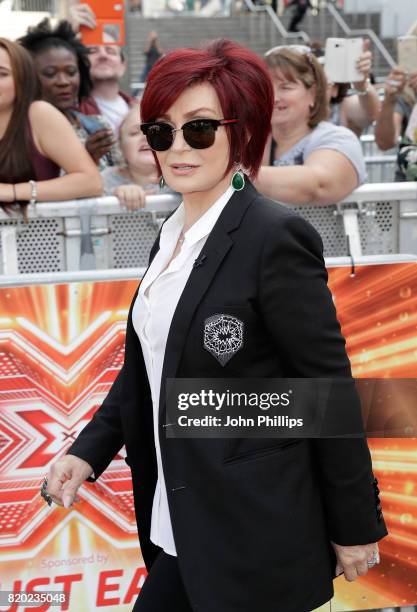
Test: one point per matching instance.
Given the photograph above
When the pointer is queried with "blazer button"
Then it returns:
(375, 482)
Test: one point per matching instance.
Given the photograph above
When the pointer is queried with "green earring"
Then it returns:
(238, 181)
(161, 182)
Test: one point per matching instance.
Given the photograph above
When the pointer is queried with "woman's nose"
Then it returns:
(62, 78)
(179, 141)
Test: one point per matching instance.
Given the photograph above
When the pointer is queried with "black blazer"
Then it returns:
(252, 518)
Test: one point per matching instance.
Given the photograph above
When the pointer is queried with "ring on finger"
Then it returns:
(44, 493)
(374, 560)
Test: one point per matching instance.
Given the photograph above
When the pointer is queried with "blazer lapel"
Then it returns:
(214, 251)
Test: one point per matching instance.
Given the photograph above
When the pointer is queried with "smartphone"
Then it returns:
(407, 52)
(340, 58)
(110, 23)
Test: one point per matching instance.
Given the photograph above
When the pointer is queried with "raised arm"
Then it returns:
(362, 109)
(389, 122)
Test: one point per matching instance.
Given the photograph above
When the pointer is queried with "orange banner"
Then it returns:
(60, 349)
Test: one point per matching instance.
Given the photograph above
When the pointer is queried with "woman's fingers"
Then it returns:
(64, 479)
(355, 560)
(350, 573)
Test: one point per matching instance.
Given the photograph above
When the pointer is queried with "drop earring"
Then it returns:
(238, 180)
(161, 182)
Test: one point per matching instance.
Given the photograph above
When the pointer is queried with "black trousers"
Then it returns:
(163, 589)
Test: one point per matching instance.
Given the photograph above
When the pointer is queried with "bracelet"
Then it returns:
(364, 92)
(33, 193)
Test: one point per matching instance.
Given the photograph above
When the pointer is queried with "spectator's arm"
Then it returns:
(56, 139)
(388, 126)
(326, 177)
(389, 123)
(361, 111)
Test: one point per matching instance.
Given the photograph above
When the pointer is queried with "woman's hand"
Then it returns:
(395, 84)
(352, 561)
(364, 63)
(131, 196)
(81, 15)
(100, 143)
(65, 477)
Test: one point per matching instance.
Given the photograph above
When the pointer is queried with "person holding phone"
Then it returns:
(63, 67)
(228, 524)
(308, 160)
(353, 103)
(36, 140)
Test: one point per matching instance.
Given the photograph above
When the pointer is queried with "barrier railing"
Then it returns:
(96, 233)
(81, 234)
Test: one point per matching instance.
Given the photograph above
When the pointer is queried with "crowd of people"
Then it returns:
(69, 131)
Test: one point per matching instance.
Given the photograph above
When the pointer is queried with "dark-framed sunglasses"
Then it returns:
(198, 133)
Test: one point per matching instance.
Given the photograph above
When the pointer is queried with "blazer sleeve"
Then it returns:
(103, 437)
(299, 314)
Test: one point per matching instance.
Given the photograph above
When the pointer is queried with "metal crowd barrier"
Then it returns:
(92, 233)
(96, 233)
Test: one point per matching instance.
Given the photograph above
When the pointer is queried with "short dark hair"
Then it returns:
(43, 37)
(241, 82)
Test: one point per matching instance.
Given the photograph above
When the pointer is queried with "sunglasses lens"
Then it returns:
(159, 136)
(199, 134)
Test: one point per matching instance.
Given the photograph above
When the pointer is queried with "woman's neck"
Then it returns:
(288, 136)
(5, 117)
(197, 203)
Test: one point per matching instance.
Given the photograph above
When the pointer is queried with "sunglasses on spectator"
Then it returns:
(198, 133)
(302, 49)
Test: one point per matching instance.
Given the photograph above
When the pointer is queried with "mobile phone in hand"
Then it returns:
(341, 57)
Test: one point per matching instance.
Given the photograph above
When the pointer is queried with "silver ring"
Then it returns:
(375, 559)
(44, 493)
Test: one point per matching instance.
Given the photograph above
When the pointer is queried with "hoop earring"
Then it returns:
(238, 180)
(161, 182)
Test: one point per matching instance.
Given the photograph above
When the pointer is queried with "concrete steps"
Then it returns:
(253, 31)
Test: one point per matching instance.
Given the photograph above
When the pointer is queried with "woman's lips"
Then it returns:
(65, 95)
(182, 169)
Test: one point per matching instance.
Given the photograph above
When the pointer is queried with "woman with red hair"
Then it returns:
(236, 288)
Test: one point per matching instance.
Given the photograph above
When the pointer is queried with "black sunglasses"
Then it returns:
(198, 133)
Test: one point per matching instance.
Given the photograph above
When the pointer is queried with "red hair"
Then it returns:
(241, 82)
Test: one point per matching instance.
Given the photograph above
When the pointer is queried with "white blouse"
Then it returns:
(156, 302)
